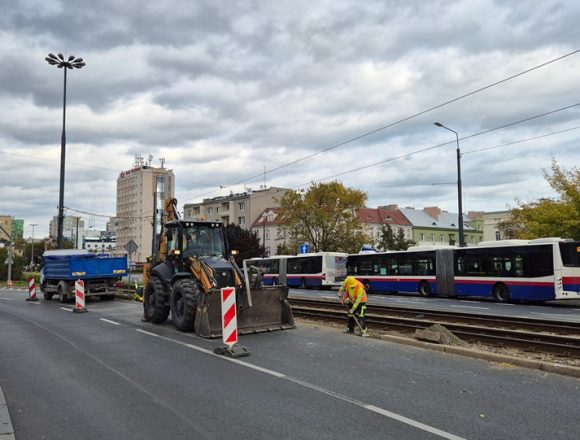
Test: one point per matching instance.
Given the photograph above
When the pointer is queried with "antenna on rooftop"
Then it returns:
(162, 160)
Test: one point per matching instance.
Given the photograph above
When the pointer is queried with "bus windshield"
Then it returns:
(203, 241)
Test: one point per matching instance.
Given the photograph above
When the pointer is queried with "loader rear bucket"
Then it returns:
(270, 311)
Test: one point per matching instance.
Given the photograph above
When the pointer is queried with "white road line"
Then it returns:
(7, 299)
(66, 309)
(471, 302)
(471, 307)
(109, 321)
(375, 409)
(36, 303)
(505, 304)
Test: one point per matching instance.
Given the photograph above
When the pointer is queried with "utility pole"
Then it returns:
(9, 260)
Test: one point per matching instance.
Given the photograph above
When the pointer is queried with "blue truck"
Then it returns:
(61, 268)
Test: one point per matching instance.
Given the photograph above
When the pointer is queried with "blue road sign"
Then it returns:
(304, 248)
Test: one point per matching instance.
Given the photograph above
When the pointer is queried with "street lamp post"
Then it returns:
(32, 250)
(459, 196)
(70, 63)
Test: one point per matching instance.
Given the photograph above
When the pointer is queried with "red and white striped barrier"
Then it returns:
(31, 290)
(229, 317)
(79, 297)
(230, 326)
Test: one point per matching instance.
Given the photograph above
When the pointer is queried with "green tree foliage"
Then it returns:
(17, 265)
(244, 241)
(547, 217)
(393, 242)
(324, 216)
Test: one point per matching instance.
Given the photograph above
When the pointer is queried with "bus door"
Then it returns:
(283, 271)
(445, 272)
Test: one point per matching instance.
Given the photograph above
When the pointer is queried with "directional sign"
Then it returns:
(9, 261)
(131, 247)
(304, 248)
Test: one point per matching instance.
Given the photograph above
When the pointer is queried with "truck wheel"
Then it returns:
(183, 302)
(47, 296)
(62, 292)
(155, 301)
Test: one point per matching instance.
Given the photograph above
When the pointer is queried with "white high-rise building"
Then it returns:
(137, 189)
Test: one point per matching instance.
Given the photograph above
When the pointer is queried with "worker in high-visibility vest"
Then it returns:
(353, 294)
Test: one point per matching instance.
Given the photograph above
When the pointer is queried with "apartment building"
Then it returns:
(267, 227)
(373, 220)
(138, 189)
(240, 209)
(73, 230)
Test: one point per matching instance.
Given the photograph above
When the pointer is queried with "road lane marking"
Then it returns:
(66, 309)
(471, 307)
(368, 407)
(109, 321)
(37, 303)
(505, 304)
(7, 299)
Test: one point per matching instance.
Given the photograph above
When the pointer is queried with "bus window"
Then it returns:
(460, 265)
(424, 266)
(406, 266)
(392, 266)
(519, 266)
(570, 252)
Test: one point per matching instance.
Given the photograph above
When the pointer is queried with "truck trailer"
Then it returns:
(61, 268)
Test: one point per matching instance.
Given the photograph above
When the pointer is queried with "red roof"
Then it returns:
(382, 216)
(260, 223)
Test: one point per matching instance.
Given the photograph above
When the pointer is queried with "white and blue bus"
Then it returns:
(316, 270)
(532, 270)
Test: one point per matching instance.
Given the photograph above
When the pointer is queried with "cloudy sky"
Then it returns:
(226, 91)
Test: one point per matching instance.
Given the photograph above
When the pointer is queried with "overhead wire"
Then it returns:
(397, 122)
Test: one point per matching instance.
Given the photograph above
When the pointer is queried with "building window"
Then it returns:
(270, 216)
(422, 237)
(267, 233)
(242, 206)
(209, 211)
(442, 238)
(242, 220)
(497, 235)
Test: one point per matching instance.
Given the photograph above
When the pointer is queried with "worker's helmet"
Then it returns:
(350, 282)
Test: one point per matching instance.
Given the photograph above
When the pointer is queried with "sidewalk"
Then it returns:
(6, 430)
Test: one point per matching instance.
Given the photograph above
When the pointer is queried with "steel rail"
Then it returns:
(530, 335)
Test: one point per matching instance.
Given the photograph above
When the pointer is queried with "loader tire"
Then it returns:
(183, 303)
(156, 301)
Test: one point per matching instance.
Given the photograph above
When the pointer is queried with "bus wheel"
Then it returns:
(367, 285)
(424, 288)
(303, 283)
(501, 293)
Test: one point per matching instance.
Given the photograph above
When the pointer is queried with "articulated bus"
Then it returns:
(320, 269)
(536, 270)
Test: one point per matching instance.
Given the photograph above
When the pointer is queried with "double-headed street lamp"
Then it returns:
(459, 197)
(70, 63)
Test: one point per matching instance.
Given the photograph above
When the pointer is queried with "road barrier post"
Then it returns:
(79, 297)
(230, 326)
(31, 290)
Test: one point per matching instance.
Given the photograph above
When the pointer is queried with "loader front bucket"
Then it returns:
(270, 311)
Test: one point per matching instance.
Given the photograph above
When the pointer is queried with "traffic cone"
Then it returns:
(31, 291)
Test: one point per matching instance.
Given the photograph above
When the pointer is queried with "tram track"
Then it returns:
(530, 335)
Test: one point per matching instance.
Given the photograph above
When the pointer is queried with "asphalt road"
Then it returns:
(105, 375)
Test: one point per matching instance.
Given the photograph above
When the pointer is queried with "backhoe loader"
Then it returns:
(184, 277)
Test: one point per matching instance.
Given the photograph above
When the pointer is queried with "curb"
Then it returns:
(566, 370)
(6, 429)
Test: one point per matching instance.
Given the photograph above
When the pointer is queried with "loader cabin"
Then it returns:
(203, 239)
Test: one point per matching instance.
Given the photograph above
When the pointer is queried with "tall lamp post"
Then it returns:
(32, 250)
(70, 63)
(459, 196)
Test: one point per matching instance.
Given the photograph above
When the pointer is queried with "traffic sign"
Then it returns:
(304, 248)
(131, 247)
(8, 261)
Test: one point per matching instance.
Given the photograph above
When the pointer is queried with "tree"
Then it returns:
(324, 216)
(548, 217)
(393, 242)
(245, 242)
